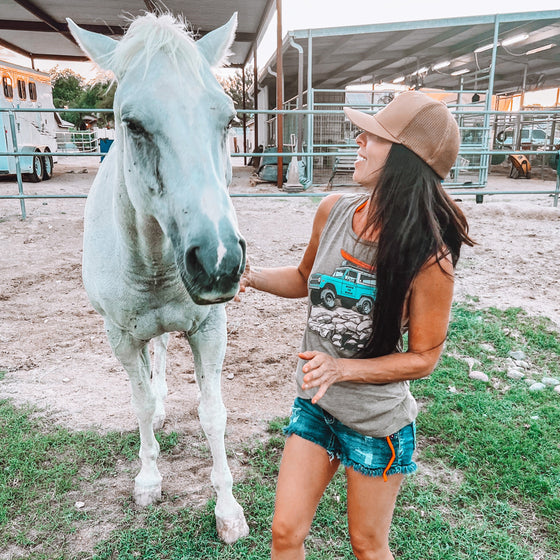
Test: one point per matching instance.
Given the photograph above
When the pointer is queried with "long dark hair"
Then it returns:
(416, 220)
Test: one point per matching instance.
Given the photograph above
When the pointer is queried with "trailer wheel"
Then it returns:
(47, 167)
(37, 174)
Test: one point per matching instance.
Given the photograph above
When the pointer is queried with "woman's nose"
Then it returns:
(361, 138)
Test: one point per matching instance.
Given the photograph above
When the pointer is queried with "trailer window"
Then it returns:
(21, 89)
(32, 91)
(7, 87)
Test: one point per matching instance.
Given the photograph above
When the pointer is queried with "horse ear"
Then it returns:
(215, 45)
(97, 46)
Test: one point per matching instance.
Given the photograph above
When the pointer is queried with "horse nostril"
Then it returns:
(243, 262)
(192, 261)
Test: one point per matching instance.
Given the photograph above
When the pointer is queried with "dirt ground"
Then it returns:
(53, 347)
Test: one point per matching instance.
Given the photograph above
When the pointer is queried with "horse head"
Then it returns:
(171, 131)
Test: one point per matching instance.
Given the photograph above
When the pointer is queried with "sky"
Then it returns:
(305, 14)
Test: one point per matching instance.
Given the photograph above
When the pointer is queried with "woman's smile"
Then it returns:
(370, 159)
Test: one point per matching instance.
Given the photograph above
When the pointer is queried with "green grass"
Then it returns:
(488, 487)
(39, 468)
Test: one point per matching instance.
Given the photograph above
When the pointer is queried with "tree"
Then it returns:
(233, 86)
(67, 88)
(71, 92)
(99, 95)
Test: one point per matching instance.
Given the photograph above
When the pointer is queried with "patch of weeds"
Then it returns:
(40, 467)
(503, 442)
(489, 486)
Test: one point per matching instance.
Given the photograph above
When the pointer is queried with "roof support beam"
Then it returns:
(42, 27)
(63, 57)
(46, 18)
(14, 48)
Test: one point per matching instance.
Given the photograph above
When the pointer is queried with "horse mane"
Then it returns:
(150, 34)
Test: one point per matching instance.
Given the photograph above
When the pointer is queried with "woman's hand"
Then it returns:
(244, 281)
(321, 371)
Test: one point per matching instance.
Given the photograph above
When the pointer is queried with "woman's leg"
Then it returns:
(305, 472)
(371, 502)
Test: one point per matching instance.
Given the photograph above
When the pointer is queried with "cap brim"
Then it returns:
(369, 123)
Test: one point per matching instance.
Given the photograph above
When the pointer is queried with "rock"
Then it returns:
(529, 381)
(471, 362)
(79, 505)
(550, 381)
(513, 373)
(487, 347)
(479, 376)
(230, 376)
(537, 387)
(517, 355)
(557, 389)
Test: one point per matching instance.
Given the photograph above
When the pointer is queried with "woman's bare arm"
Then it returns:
(290, 281)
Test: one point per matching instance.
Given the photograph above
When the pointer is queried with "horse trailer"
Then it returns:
(35, 131)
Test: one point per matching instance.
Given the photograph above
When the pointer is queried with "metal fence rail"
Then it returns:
(309, 152)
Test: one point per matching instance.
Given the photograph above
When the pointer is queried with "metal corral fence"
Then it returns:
(529, 132)
(304, 124)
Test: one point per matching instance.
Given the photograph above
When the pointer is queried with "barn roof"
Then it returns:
(384, 52)
(38, 29)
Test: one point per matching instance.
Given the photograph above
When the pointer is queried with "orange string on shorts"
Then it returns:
(388, 438)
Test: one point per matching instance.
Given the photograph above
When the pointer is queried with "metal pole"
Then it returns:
(310, 104)
(279, 95)
(244, 114)
(557, 191)
(299, 105)
(483, 176)
(18, 166)
(256, 98)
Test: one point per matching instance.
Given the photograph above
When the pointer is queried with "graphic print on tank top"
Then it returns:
(342, 303)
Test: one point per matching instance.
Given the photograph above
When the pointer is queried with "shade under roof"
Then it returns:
(384, 52)
(37, 28)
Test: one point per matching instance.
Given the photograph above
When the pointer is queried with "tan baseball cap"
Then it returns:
(418, 122)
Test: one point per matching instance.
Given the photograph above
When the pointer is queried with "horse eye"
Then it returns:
(134, 127)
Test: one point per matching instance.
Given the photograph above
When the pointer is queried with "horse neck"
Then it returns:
(145, 242)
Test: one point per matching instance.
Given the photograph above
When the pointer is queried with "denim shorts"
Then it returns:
(366, 454)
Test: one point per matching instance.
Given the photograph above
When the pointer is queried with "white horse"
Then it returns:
(162, 249)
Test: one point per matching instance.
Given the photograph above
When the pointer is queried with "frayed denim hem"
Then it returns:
(396, 469)
(288, 431)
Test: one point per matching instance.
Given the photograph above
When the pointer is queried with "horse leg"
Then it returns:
(208, 346)
(159, 385)
(135, 358)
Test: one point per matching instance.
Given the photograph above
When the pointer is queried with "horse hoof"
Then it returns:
(146, 496)
(232, 529)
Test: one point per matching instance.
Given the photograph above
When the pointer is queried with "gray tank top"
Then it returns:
(341, 295)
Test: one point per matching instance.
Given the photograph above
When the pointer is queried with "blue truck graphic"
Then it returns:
(352, 287)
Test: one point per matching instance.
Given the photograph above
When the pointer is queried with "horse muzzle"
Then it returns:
(211, 275)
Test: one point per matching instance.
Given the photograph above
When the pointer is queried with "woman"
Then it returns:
(376, 266)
